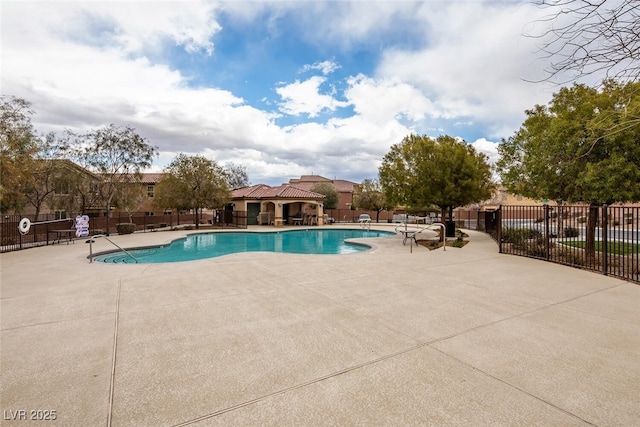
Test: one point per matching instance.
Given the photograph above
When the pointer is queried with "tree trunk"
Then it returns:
(106, 232)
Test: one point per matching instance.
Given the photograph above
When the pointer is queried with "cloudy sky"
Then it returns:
(281, 88)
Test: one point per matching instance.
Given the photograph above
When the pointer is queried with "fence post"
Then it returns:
(546, 231)
(499, 228)
(605, 239)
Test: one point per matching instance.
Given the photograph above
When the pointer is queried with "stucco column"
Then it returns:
(278, 220)
(320, 213)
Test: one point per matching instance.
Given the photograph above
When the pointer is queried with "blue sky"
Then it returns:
(282, 88)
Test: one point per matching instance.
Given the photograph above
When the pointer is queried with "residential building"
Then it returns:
(344, 188)
(284, 204)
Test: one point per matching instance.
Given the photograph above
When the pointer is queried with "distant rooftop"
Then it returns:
(307, 182)
(284, 191)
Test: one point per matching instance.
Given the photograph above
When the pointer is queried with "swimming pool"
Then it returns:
(210, 245)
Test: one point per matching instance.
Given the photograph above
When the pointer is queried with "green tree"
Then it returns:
(18, 146)
(576, 150)
(193, 182)
(117, 154)
(330, 193)
(370, 196)
(445, 172)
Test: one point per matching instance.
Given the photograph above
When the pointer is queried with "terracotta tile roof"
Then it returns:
(151, 178)
(284, 191)
(148, 178)
(304, 185)
(251, 192)
(309, 178)
(307, 182)
(344, 185)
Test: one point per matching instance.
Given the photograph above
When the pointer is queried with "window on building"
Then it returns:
(148, 214)
(61, 187)
(60, 215)
(149, 190)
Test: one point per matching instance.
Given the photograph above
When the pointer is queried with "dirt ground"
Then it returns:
(435, 244)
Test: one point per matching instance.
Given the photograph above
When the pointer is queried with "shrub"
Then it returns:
(125, 228)
(571, 232)
(537, 251)
(520, 235)
(458, 243)
(8, 241)
(571, 258)
(509, 234)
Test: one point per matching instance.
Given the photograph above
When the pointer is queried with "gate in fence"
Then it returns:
(599, 238)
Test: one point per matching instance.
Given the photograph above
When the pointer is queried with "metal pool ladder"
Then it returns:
(90, 242)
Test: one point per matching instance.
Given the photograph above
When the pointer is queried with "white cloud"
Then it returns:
(487, 147)
(327, 67)
(348, 24)
(472, 66)
(452, 66)
(305, 98)
(388, 99)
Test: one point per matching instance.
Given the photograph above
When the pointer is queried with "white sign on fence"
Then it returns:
(82, 226)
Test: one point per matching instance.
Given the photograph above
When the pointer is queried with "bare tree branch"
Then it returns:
(590, 37)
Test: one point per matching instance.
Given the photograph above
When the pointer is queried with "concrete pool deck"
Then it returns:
(384, 337)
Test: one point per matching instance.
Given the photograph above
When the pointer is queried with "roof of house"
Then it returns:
(70, 165)
(309, 178)
(344, 185)
(284, 191)
(151, 178)
(307, 182)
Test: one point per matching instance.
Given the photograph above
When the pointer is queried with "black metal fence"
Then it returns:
(48, 229)
(351, 215)
(599, 238)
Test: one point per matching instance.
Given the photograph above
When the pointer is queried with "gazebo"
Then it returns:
(285, 204)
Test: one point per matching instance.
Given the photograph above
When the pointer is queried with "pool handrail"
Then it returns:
(95, 236)
(411, 234)
(365, 221)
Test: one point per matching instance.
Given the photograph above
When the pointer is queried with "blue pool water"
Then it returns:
(209, 245)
